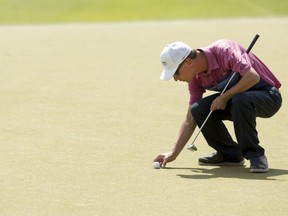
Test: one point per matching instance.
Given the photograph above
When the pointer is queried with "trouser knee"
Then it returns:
(201, 108)
(196, 111)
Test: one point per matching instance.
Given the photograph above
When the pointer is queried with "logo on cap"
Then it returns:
(164, 63)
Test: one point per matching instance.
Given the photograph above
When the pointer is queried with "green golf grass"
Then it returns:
(65, 11)
(83, 114)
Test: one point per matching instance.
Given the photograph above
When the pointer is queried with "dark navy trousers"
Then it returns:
(242, 109)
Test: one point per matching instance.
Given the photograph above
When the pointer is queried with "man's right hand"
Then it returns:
(164, 158)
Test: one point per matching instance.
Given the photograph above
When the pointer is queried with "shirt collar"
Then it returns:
(212, 62)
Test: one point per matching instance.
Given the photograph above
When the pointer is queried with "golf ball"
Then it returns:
(156, 165)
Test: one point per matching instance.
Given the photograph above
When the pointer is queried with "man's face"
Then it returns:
(183, 72)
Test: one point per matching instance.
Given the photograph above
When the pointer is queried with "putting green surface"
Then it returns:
(83, 114)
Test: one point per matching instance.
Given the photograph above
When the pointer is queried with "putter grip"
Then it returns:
(252, 43)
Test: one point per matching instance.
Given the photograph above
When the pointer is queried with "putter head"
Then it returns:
(192, 147)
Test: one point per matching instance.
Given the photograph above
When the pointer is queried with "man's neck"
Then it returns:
(201, 62)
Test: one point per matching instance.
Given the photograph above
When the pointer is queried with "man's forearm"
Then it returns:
(186, 131)
(246, 82)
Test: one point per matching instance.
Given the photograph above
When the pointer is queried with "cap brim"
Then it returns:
(167, 74)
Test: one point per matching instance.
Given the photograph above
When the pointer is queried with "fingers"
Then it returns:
(219, 103)
(164, 163)
(161, 159)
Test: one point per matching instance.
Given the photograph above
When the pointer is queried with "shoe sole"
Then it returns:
(241, 163)
(259, 170)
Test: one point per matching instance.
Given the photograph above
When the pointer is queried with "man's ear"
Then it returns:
(189, 61)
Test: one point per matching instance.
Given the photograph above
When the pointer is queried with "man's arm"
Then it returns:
(247, 81)
(186, 131)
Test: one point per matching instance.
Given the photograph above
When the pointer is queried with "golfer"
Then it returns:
(253, 92)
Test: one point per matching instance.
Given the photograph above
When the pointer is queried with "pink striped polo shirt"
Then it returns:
(225, 57)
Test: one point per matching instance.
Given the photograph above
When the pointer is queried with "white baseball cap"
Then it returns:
(171, 57)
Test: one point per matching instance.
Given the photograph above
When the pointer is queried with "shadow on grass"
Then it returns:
(230, 172)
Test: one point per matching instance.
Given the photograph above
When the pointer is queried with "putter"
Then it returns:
(192, 146)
